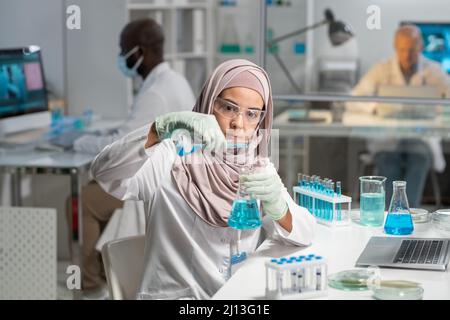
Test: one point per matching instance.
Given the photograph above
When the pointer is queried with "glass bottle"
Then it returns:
(399, 220)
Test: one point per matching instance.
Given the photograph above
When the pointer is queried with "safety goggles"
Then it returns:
(231, 111)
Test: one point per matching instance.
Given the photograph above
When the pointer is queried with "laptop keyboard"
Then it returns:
(419, 251)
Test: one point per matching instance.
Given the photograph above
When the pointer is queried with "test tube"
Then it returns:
(280, 282)
(307, 198)
(331, 204)
(320, 201)
(326, 203)
(271, 281)
(293, 279)
(315, 188)
(338, 193)
(301, 184)
(318, 278)
(286, 279)
(300, 278)
(320, 273)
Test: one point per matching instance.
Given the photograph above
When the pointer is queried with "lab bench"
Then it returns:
(341, 248)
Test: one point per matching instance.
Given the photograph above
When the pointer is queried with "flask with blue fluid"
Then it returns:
(245, 213)
(399, 220)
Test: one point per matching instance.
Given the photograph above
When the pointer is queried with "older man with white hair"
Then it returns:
(404, 159)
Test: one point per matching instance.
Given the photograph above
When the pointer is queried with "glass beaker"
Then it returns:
(245, 213)
(372, 200)
(399, 220)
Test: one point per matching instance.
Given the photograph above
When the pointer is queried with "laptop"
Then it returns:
(407, 111)
(406, 253)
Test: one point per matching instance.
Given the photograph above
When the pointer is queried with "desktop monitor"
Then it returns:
(23, 96)
(436, 41)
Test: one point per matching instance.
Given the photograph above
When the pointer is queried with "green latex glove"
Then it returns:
(266, 186)
(204, 126)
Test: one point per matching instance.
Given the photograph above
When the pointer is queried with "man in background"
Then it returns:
(404, 159)
(163, 90)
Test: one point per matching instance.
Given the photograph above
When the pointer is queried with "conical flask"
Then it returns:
(244, 212)
(399, 220)
(230, 38)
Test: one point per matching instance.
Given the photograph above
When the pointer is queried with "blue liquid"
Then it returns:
(182, 151)
(372, 209)
(245, 215)
(399, 224)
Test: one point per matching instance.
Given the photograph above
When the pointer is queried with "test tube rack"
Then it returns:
(296, 278)
(336, 215)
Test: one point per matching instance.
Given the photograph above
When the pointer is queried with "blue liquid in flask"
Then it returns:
(245, 215)
(399, 224)
(399, 220)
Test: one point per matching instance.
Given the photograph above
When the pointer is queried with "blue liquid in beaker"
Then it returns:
(372, 209)
(399, 224)
(245, 215)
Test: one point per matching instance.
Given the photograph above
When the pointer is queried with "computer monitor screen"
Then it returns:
(22, 84)
(436, 41)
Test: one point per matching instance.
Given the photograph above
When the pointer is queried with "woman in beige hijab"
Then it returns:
(188, 199)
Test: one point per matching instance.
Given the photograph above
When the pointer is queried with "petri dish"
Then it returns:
(397, 290)
(419, 215)
(441, 219)
(351, 280)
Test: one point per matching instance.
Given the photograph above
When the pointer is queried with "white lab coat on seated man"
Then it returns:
(428, 73)
(184, 256)
(162, 91)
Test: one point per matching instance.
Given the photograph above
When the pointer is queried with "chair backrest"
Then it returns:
(28, 256)
(123, 260)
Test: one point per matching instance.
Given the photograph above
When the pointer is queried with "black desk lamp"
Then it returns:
(338, 32)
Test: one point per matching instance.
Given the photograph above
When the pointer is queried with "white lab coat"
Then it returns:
(185, 257)
(389, 73)
(163, 91)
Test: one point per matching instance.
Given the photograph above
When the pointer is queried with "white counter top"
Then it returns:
(341, 247)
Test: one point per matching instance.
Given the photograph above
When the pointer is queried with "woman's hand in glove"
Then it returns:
(204, 126)
(266, 186)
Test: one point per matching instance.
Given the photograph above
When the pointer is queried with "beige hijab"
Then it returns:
(210, 186)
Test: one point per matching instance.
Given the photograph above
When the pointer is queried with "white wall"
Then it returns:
(93, 79)
(26, 22)
(375, 45)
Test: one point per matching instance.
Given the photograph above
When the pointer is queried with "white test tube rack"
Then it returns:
(295, 278)
(337, 216)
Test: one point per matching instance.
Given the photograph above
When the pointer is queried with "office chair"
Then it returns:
(123, 260)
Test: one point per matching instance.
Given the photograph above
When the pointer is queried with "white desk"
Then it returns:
(30, 161)
(341, 247)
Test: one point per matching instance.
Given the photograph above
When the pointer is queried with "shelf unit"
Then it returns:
(189, 35)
